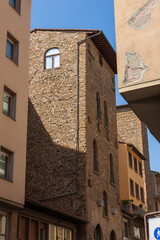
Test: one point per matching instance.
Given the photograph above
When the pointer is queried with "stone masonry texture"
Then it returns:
(132, 130)
(51, 143)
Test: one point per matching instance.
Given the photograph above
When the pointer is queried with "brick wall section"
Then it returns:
(52, 131)
(101, 79)
(52, 123)
(132, 130)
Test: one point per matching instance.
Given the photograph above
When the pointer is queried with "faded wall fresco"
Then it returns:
(134, 68)
(142, 17)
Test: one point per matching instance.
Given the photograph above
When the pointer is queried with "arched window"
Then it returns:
(52, 58)
(95, 160)
(112, 235)
(105, 200)
(98, 106)
(106, 121)
(111, 169)
(98, 235)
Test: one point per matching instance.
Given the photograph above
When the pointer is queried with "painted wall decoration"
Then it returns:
(134, 68)
(142, 17)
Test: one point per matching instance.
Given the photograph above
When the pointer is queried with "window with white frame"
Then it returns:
(2, 227)
(52, 58)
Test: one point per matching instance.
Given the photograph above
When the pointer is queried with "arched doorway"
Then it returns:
(112, 235)
(98, 235)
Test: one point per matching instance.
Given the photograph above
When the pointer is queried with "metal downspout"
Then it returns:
(77, 125)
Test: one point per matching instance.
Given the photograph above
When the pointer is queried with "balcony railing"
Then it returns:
(128, 207)
(137, 211)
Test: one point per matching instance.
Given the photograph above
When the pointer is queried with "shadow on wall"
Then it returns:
(51, 169)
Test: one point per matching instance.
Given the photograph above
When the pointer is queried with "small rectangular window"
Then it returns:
(6, 164)
(140, 168)
(135, 164)
(131, 187)
(12, 47)
(137, 190)
(16, 4)
(9, 103)
(130, 159)
(142, 195)
(2, 226)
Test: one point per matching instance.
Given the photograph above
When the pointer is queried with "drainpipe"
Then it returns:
(77, 125)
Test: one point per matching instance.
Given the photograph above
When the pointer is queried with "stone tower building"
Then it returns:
(72, 133)
(132, 130)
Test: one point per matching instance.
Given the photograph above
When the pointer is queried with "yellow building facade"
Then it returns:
(132, 187)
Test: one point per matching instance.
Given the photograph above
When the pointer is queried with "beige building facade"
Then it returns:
(14, 70)
(72, 158)
(137, 40)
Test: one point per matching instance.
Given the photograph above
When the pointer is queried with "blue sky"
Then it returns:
(85, 14)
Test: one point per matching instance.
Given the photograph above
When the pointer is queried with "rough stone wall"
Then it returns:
(52, 132)
(153, 182)
(101, 79)
(132, 130)
(51, 148)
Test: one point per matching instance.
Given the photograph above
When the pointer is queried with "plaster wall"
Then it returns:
(15, 77)
(137, 39)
